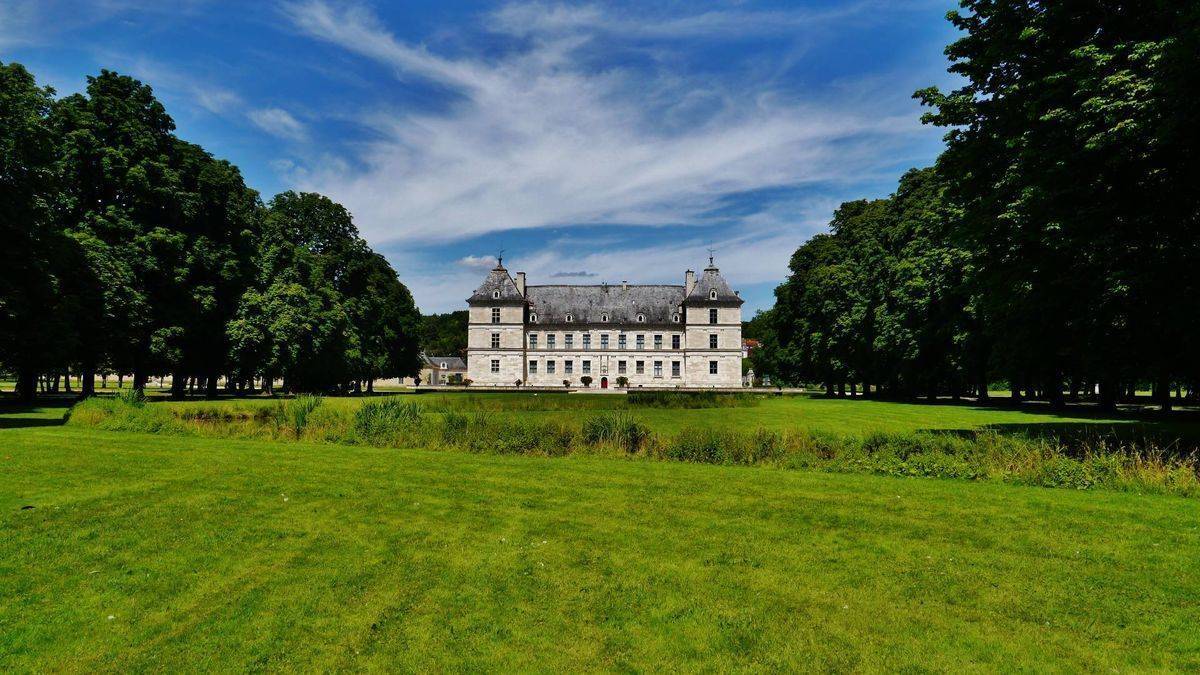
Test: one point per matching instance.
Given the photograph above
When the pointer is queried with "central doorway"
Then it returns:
(604, 383)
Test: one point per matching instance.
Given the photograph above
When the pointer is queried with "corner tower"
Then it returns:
(713, 330)
(496, 330)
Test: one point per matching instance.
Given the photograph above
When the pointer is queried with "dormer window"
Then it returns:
(712, 294)
(496, 295)
(443, 365)
(641, 318)
(675, 318)
(604, 318)
(533, 318)
(570, 318)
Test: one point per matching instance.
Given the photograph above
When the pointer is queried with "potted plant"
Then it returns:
(586, 380)
(566, 383)
(622, 381)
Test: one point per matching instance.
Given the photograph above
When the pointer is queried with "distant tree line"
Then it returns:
(128, 250)
(444, 334)
(1053, 247)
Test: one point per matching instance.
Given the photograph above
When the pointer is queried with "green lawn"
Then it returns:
(168, 553)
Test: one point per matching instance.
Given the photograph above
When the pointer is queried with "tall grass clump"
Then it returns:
(616, 429)
(690, 399)
(382, 421)
(294, 414)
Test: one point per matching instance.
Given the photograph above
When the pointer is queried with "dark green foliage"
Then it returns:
(444, 334)
(129, 250)
(381, 419)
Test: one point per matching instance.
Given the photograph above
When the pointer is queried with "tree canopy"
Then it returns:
(138, 252)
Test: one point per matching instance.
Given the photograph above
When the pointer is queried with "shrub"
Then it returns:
(293, 414)
(622, 381)
(617, 429)
(384, 419)
(586, 380)
(689, 399)
(131, 397)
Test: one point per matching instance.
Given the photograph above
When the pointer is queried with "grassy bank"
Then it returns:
(149, 552)
(1098, 460)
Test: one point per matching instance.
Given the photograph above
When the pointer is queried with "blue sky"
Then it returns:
(590, 141)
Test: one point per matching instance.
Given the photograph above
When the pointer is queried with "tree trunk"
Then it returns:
(178, 381)
(371, 386)
(1108, 395)
(211, 390)
(1162, 390)
(87, 382)
(26, 385)
(829, 389)
(139, 379)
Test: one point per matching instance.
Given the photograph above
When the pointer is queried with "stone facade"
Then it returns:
(653, 335)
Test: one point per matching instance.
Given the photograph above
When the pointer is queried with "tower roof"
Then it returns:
(711, 280)
(497, 289)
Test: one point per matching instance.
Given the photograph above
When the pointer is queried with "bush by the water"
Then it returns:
(1094, 462)
(690, 399)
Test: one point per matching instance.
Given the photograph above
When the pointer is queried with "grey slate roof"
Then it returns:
(497, 280)
(588, 304)
(709, 281)
(452, 362)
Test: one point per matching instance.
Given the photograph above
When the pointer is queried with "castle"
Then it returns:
(642, 335)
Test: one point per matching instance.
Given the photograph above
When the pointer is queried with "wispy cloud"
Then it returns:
(537, 138)
(570, 275)
(279, 122)
(477, 262)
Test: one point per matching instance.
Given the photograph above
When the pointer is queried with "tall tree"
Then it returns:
(1073, 143)
(34, 256)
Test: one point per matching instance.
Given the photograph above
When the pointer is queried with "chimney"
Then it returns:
(689, 282)
(624, 285)
(521, 283)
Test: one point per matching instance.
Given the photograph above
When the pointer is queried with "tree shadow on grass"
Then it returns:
(44, 413)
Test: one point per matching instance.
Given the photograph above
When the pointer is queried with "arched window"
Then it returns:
(641, 318)
(604, 318)
(533, 318)
(496, 294)
(570, 318)
(675, 318)
(712, 294)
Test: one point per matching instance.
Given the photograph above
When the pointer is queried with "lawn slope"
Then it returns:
(166, 553)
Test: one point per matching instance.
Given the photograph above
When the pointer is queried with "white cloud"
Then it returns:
(477, 262)
(278, 122)
(536, 138)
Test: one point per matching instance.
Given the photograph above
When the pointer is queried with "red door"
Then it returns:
(604, 383)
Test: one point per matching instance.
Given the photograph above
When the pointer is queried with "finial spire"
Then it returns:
(711, 252)
(500, 258)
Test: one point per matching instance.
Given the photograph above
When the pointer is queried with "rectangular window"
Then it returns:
(712, 367)
(495, 341)
(712, 315)
(495, 315)
(712, 340)
(495, 365)
(587, 367)
(587, 340)
(569, 340)
(568, 367)
(533, 341)
(674, 342)
(620, 367)
(658, 342)
(533, 367)
(658, 368)
(621, 343)
(674, 369)
(604, 341)
(639, 367)
(550, 340)
(641, 342)
(550, 367)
